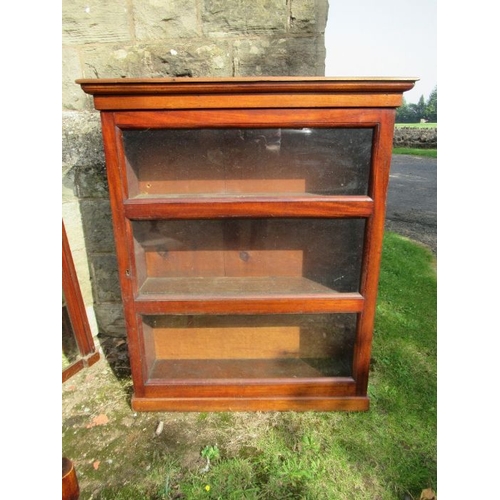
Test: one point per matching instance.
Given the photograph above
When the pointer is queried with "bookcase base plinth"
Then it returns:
(250, 404)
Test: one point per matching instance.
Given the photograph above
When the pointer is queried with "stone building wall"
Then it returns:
(155, 38)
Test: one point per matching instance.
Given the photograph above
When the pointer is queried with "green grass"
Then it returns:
(428, 153)
(416, 125)
(385, 453)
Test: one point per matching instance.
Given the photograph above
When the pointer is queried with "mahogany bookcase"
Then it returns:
(248, 217)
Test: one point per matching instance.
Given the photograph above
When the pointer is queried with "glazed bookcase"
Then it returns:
(248, 217)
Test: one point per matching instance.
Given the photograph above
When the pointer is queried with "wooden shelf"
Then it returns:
(243, 296)
(209, 206)
(288, 368)
(227, 288)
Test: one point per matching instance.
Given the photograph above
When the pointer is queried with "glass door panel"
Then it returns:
(274, 346)
(323, 161)
(242, 256)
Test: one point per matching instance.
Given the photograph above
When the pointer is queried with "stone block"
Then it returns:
(116, 61)
(81, 139)
(72, 96)
(95, 21)
(110, 319)
(306, 56)
(223, 17)
(308, 16)
(158, 19)
(279, 57)
(97, 226)
(68, 185)
(261, 56)
(91, 181)
(104, 272)
(197, 57)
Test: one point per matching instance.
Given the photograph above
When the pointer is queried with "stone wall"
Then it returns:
(154, 38)
(425, 138)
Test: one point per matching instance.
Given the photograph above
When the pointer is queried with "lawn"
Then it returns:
(428, 153)
(416, 125)
(386, 453)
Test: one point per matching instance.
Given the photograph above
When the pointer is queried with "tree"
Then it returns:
(413, 113)
(420, 108)
(430, 113)
(406, 113)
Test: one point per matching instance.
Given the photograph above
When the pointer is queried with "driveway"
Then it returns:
(412, 199)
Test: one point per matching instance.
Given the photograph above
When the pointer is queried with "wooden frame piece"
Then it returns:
(75, 319)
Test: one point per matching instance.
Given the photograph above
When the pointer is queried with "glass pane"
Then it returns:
(273, 346)
(248, 161)
(241, 256)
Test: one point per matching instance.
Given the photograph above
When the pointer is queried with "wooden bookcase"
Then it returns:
(248, 217)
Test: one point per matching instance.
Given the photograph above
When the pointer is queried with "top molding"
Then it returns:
(254, 92)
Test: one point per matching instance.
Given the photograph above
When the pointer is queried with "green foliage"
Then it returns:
(428, 153)
(406, 113)
(210, 452)
(423, 110)
(430, 113)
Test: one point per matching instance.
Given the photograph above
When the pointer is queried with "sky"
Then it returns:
(384, 38)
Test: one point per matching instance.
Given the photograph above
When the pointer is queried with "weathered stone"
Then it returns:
(172, 58)
(158, 19)
(116, 61)
(260, 57)
(91, 181)
(223, 17)
(95, 21)
(415, 137)
(197, 57)
(110, 319)
(97, 226)
(106, 285)
(306, 58)
(82, 139)
(73, 97)
(308, 16)
(281, 57)
(68, 185)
